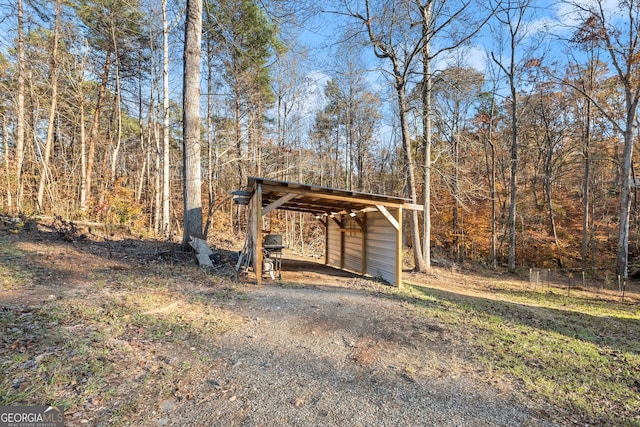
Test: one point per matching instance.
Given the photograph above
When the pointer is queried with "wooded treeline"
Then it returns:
(525, 161)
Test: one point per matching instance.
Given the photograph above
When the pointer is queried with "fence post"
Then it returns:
(619, 284)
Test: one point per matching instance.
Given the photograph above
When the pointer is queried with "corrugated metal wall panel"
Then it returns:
(352, 246)
(334, 244)
(381, 247)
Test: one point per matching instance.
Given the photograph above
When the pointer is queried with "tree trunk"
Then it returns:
(166, 184)
(409, 168)
(514, 190)
(491, 166)
(93, 132)
(143, 149)
(191, 122)
(238, 130)
(514, 161)
(83, 157)
(426, 138)
(456, 191)
(622, 258)
(585, 189)
(118, 111)
(20, 125)
(552, 220)
(45, 174)
(493, 202)
(5, 151)
(426, 135)
(157, 190)
(210, 135)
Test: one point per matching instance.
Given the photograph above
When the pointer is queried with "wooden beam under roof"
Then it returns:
(390, 218)
(277, 203)
(320, 207)
(336, 196)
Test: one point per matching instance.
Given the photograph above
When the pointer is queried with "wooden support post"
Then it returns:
(326, 241)
(257, 237)
(341, 224)
(341, 244)
(399, 249)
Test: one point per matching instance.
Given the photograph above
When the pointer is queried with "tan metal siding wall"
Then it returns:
(352, 246)
(334, 244)
(381, 248)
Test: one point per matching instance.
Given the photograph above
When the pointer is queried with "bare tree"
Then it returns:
(618, 33)
(391, 31)
(165, 122)
(5, 155)
(584, 77)
(20, 107)
(455, 91)
(80, 95)
(390, 35)
(45, 174)
(113, 32)
(551, 127)
(456, 22)
(512, 16)
(487, 119)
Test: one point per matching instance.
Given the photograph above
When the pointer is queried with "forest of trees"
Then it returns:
(512, 121)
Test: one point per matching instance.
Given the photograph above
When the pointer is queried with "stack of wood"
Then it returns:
(244, 260)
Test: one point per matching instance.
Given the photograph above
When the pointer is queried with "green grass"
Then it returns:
(81, 346)
(110, 344)
(579, 354)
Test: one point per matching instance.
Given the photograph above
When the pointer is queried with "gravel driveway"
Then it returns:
(343, 354)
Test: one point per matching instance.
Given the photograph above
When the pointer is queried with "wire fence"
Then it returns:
(579, 280)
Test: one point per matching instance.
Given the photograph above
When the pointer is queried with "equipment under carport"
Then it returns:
(272, 255)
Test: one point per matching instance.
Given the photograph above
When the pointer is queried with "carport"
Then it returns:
(363, 232)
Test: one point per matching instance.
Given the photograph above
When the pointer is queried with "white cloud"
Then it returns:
(313, 97)
(474, 56)
(568, 16)
(545, 24)
(477, 58)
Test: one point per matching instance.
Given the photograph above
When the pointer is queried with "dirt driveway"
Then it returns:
(333, 349)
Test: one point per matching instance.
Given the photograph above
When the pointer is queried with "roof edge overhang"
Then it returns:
(315, 199)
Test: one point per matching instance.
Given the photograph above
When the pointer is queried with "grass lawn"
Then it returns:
(580, 352)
